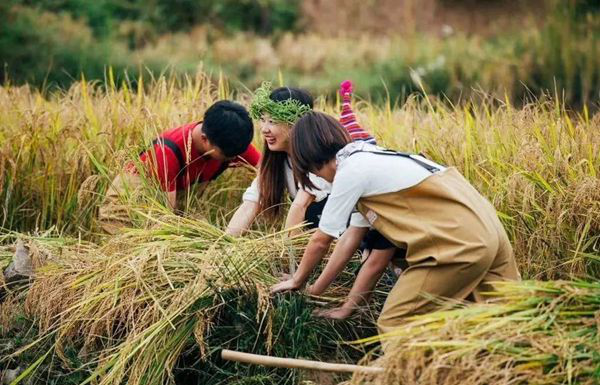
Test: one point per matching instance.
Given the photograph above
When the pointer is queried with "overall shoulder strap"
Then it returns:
(432, 169)
(173, 146)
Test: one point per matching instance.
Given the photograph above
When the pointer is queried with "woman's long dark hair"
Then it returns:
(271, 178)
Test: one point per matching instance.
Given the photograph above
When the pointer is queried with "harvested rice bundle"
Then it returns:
(133, 304)
(537, 332)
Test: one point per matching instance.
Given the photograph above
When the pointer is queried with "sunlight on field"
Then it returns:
(537, 164)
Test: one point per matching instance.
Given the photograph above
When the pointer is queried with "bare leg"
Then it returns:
(367, 278)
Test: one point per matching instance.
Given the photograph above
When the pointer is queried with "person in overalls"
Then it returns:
(455, 244)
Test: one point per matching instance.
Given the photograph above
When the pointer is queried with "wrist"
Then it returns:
(349, 307)
(298, 282)
(316, 289)
(351, 304)
(300, 277)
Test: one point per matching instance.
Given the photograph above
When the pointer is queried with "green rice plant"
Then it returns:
(532, 332)
(6, 255)
(558, 54)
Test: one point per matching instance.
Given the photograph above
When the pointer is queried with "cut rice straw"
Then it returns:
(532, 332)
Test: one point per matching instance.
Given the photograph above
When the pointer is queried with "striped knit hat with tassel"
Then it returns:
(348, 119)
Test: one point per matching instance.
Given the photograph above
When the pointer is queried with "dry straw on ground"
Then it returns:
(132, 304)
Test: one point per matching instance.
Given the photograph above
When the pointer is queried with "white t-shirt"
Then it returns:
(367, 174)
(252, 193)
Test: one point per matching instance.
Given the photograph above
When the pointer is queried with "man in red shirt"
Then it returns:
(193, 153)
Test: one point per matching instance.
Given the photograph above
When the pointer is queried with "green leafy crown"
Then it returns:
(286, 111)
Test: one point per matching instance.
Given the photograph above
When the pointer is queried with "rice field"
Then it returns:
(157, 302)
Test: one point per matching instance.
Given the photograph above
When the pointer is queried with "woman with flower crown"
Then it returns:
(277, 111)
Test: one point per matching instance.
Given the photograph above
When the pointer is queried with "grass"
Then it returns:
(560, 53)
(155, 303)
(51, 45)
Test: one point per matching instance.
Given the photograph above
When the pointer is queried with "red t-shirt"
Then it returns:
(166, 168)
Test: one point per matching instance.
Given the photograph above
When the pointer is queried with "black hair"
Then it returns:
(316, 139)
(284, 93)
(228, 126)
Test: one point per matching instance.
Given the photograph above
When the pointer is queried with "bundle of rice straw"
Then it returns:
(535, 333)
(134, 303)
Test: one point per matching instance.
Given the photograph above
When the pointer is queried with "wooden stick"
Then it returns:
(295, 363)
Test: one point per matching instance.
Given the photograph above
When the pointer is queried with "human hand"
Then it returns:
(312, 290)
(338, 313)
(285, 285)
(284, 276)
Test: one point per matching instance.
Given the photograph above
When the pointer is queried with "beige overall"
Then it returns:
(455, 244)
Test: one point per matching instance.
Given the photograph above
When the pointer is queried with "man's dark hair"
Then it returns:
(228, 126)
(316, 139)
(282, 94)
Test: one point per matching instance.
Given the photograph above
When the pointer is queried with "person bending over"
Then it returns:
(456, 246)
(197, 152)
(277, 111)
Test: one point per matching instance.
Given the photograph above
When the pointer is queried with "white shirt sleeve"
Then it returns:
(324, 187)
(348, 186)
(358, 220)
(252, 193)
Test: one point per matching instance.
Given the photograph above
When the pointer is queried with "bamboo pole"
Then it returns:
(294, 363)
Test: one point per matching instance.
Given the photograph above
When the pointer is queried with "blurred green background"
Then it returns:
(451, 49)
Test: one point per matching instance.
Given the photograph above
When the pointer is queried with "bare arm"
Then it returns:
(172, 199)
(344, 249)
(315, 251)
(242, 218)
(297, 210)
(367, 278)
